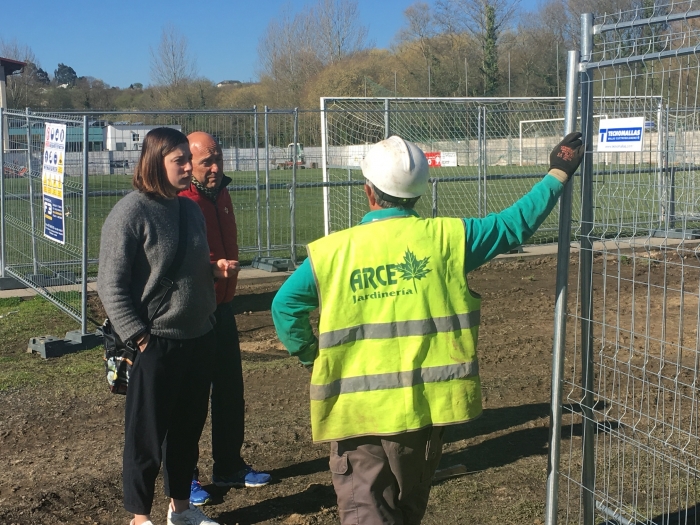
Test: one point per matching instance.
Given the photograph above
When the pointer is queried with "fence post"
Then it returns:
(480, 153)
(659, 158)
(2, 194)
(84, 262)
(293, 191)
(35, 266)
(387, 121)
(324, 168)
(586, 277)
(558, 350)
(349, 197)
(258, 220)
(435, 197)
(267, 184)
(485, 168)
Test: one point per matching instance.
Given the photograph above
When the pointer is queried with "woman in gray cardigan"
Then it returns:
(166, 403)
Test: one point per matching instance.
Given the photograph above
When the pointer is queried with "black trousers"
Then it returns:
(385, 480)
(166, 407)
(227, 402)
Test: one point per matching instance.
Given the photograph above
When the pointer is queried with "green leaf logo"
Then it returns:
(412, 268)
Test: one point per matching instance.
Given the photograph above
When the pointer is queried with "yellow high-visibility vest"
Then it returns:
(398, 329)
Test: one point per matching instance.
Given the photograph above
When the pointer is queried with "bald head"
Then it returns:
(207, 159)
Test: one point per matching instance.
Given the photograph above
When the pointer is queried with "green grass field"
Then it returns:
(625, 204)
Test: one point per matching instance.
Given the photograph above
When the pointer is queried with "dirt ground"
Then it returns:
(60, 451)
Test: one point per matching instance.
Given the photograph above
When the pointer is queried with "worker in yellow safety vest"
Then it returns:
(395, 360)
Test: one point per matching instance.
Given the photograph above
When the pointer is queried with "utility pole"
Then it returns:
(508, 74)
(558, 69)
(428, 79)
(466, 78)
(395, 95)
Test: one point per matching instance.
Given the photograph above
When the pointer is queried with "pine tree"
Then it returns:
(489, 49)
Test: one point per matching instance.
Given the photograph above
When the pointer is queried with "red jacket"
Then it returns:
(221, 233)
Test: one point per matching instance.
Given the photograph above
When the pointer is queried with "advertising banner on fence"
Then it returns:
(621, 134)
(52, 173)
(434, 159)
(448, 159)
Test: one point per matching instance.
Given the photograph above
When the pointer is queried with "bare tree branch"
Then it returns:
(171, 63)
(340, 32)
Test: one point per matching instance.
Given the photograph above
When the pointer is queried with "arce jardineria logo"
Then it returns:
(411, 269)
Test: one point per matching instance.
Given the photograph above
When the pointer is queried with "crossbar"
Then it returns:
(602, 28)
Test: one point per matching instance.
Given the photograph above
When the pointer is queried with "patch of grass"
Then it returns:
(72, 373)
(9, 301)
(35, 317)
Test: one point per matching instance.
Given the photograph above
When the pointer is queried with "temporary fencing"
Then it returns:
(58, 270)
(625, 446)
(277, 200)
(484, 153)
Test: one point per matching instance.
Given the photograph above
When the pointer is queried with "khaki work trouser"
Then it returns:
(385, 480)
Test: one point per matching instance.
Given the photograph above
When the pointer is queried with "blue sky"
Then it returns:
(111, 40)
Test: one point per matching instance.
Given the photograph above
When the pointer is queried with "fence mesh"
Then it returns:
(484, 153)
(632, 363)
(52, 268)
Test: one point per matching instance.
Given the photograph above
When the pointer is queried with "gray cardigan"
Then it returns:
(138, 244)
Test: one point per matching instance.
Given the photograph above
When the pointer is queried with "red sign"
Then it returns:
(434, 160)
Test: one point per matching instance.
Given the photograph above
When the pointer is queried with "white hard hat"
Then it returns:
(397, 168)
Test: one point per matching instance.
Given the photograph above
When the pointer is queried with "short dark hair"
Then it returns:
(382, 199)
(150, 176)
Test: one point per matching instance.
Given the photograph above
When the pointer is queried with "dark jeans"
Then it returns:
(227, 402)
(166, 407)
(385, 480)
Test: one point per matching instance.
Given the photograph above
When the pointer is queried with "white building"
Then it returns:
(127, 137)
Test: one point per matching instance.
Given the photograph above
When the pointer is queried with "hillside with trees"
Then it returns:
(444, 49)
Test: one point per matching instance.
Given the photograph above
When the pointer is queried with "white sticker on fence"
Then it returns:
(449, 159)
(52, 181)
(621, 134)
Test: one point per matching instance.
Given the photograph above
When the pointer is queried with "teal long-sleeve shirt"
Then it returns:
(485, 239)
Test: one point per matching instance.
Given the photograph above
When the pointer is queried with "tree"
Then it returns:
(171, 63)
(64, 75)
(485, 20)
(340, 33)
(172, 68)
(288, 55)
(489, 66)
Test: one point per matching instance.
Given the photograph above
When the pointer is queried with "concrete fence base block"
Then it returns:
(10, 283)
(50, 346)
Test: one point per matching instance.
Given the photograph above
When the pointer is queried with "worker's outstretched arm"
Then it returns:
(500, 232)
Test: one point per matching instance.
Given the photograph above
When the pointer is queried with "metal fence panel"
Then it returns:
(54, 270)
(484, 153)
(631, 446)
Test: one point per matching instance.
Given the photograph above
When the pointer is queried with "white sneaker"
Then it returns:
(192, 516)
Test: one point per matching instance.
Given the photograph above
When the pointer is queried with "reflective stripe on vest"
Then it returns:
(397, 331)
(394, 380)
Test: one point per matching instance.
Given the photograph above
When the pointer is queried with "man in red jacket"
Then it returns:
(208, 190)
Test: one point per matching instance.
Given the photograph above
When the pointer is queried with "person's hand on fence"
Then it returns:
(566, 157)
(225, 269)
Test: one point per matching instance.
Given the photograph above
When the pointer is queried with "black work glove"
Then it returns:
(566, 157)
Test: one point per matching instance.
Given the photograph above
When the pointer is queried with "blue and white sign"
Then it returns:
(621, 134)
(52, 173)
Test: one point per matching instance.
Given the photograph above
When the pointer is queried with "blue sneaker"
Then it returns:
(198, 496)
(246, 477)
